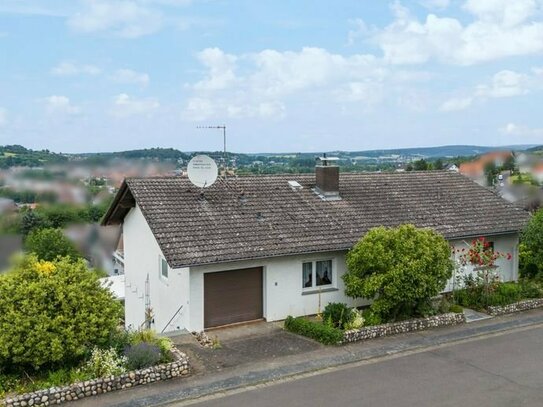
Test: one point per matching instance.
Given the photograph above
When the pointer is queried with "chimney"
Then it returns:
(327, 178)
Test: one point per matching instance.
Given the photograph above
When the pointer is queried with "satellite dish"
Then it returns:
(202, 171)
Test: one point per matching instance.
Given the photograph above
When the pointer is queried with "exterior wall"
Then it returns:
(508, 269)
(141, 259)
(283, 292)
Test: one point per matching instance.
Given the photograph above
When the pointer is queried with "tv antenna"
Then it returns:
(223, 128)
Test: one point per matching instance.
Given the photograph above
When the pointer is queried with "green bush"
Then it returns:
(371, 318)
(323, 333)
(401, 269)
(457, 309)
(339, 314)
(52, 314)
(142, 355)
(501, 294)
(48, 244)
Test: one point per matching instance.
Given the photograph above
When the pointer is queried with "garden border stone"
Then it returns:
(57, 395)
(524, 305)
(411, 325)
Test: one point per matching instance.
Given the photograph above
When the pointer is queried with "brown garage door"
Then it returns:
(232, 296)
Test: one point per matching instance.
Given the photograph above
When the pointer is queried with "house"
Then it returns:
(537, 173)
(452, 167)
(265, 247)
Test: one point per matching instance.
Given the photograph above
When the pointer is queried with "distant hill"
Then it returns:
(538, 149)
(16, 155)
(427, 152)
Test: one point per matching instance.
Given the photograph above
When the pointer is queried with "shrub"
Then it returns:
(356, 323)
(52, 313)
(532, 241)
(401, 269)
(150, 337)
(323, 333)
(142, 355)
(338, 313)
(457, 309)
(104, 363)
(48, 244)
(371, 318)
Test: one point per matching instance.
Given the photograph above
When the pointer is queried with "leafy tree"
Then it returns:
(509, 164)
(532, 242)
(400, 268)
(31, 220)
(421, 165)
(49, 243)
(438, 164)
(52, 314)
(491, 172)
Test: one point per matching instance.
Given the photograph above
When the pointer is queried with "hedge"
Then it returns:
(322, 333)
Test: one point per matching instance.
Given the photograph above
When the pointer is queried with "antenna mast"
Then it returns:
(223, 128)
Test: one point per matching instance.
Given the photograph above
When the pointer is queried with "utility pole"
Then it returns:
(223, 128)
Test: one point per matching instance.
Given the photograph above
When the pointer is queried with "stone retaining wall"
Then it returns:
(395, 328)
(58, 395)
(515, 307)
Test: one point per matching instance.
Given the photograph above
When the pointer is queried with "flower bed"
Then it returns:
(57, 395)
(515, 307)
(394, 328)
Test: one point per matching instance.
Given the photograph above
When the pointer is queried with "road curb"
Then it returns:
(340, 356)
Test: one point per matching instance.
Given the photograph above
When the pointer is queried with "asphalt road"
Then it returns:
(505, 370)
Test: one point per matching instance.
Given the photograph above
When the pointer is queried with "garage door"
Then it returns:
(232, 296)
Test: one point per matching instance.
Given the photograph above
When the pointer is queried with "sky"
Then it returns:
(283, 76)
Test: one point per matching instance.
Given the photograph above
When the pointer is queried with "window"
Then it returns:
(163, 268)
(317, 274)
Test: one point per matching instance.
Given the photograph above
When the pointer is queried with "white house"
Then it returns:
(265, 247)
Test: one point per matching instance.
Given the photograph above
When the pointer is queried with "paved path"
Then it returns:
(501, 371)
(205, 382)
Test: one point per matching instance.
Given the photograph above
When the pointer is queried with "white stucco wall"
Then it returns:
(142, 257)
(283, 293)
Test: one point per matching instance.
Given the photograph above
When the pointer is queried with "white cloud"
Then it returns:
(360, 30)
(60, 105)
(221, 69)
(128, 76)
(125, 106)
(262, 84)
(505, 84)
(500, 28)
(3, 117)
(527, 133)
(124, 18)
(455, 104)
(67, 68)
(435, 4)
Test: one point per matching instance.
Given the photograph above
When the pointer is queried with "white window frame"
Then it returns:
(161, 262)
(314, 287)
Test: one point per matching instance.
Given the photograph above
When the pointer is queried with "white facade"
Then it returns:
(283, 292)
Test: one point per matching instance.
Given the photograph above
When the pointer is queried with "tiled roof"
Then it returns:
(262, 216)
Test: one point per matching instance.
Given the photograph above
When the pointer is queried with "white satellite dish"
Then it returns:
(202, 171)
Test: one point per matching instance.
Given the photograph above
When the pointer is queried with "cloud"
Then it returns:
(500, 28)
(221, 69)
(67, 68)
(435, 4)
(123, 18)
(60, 105)
(3, 117)
(505, 84)
(360, 30)
(128, 76)
(125, 106)
(455, 104)
(517, 130)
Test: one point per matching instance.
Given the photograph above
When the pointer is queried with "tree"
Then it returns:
(401, 269)
(52, 313)
(48, 244)
(420, 165)
(532, 241)
(32, 220)
(438, 164)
